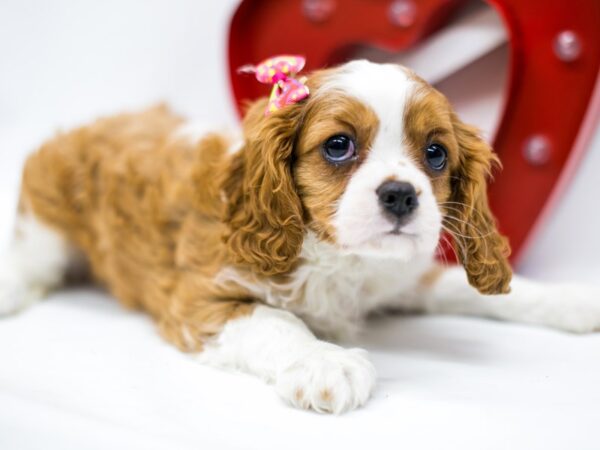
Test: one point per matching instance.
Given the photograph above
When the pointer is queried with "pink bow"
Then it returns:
(280, 71)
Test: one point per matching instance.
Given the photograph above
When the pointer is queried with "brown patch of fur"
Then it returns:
(264, 215)
(146, 211)
(482, 250)
(461, 189)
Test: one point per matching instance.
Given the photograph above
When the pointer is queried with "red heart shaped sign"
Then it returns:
(549, 104)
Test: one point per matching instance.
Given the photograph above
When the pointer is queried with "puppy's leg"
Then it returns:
(35, 263)
(573, 308)
(307, 373)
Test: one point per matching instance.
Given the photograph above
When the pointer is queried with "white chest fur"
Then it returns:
(333, 292)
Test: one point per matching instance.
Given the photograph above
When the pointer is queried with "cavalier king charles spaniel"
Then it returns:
(250, 250)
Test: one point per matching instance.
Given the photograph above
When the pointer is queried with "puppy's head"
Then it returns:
(374, 162)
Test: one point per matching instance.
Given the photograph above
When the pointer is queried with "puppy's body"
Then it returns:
(233, 248)
(143, 203)
(141, 198)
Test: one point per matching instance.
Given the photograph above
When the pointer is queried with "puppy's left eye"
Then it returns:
(436, 156)
(339, 149)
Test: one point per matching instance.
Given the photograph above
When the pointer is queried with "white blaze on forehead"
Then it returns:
(385, 88)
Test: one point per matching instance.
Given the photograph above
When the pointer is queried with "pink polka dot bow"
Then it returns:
(280, 71)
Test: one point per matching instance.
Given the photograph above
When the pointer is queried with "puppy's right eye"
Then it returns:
(339, 149)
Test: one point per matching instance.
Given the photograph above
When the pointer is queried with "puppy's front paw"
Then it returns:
(329, 379)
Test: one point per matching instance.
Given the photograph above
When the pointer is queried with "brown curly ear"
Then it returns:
(264, 213)
(481, 249)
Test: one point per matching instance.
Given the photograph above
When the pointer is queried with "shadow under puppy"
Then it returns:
(323, 211)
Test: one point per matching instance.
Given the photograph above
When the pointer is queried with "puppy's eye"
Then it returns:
(436, 156)
(339, 149)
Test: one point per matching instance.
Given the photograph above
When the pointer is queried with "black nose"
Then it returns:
(398, 198)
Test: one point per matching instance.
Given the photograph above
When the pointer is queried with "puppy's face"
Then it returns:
(374, 162)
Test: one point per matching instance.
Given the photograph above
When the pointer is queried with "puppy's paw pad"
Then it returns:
(328, 380)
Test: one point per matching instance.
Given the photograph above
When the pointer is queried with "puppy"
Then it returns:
(243, 251)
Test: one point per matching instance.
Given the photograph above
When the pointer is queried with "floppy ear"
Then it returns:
(481, 249)
(264, 213)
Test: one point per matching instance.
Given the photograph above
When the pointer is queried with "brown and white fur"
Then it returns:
(241, 250)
